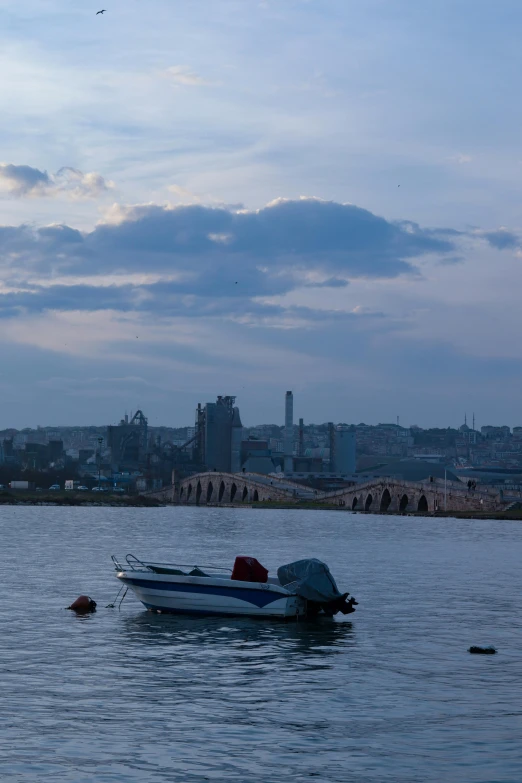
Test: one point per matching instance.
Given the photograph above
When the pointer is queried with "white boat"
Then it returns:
(213, 590)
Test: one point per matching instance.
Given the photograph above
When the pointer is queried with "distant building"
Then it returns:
(7, 452)
(289, 432)
(307, 464)
(492, 433)
(236, 440)
(128, 442)
(55, 450)
(409, 470)
(220, 434)
(344, 453)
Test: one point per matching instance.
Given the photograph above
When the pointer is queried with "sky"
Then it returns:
(243, 197)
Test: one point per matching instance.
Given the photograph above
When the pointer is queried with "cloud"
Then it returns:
(182, 75)
(78, 185)
(183, 195)
(502, 239)
(308, 233)
(28, 182)
(212, 262)
(24, 180)
(208, 260)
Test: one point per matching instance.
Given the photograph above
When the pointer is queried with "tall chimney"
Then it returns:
(301, 438)
(289, 432)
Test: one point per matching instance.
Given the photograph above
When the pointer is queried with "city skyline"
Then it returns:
(471, 421)
(244, 197)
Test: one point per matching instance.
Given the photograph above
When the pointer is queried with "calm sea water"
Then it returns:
(387, 694)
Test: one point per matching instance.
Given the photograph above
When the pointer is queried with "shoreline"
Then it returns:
(22, 498)
(513, 515)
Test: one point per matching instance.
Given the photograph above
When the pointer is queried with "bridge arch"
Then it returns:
(255, 499)
(385, 501)
(244, 496)
(354, 503)
(403, 503)
(181, 493)
(221, 491)
(189, 492)
(210, 490)
(233, 490)
(422, 505)
(368, 503)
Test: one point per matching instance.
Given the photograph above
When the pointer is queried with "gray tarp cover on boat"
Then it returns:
(310, 579)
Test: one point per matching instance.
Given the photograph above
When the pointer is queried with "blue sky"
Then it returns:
(243, 197)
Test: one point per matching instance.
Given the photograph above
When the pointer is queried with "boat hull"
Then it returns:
(208, 596)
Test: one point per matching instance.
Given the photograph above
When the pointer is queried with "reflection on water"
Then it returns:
(320, 636)
(391, 695)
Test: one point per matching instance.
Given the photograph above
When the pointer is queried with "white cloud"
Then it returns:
(182, 75)
(77, 185)
(23, 181)
(183, 195)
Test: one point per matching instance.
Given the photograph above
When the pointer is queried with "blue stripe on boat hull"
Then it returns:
(208, 613)
(260, 598)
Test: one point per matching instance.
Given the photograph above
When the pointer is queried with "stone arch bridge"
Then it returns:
(388, 495)
(384, 495)
(213, 488)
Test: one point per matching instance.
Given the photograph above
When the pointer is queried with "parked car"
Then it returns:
(54, 486)
(118, 490)
(97, 489)
(81, 488)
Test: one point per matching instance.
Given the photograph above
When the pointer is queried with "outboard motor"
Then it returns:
(311, 579)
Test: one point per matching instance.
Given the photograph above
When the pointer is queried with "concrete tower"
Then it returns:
(289, 432)
(218, 433)
(237, 437)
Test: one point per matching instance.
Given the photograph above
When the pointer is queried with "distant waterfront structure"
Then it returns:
(344, 455)
(128, 442)
(289, 433)
(236, 439)
(217, 434)
(300, 448)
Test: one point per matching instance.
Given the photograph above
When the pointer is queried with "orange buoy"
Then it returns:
(83, 604)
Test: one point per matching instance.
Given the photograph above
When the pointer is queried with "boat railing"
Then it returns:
(135, 564)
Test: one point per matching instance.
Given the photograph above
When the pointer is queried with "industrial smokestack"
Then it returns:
(301, 438)
(289, 432)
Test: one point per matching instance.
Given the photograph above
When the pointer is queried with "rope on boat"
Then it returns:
(112, 606)
(123, 596)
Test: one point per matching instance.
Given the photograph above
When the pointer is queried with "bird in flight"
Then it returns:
(100, 12)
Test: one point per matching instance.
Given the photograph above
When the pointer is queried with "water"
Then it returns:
(387, 694)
